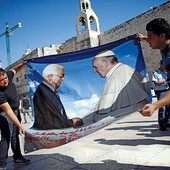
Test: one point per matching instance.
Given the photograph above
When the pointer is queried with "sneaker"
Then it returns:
(21, 161)
(168, 125)
(2, 167)
(162, 128)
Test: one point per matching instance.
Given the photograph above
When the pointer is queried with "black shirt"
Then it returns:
(25, 103)
(9, 93)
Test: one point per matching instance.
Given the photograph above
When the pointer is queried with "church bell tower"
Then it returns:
(87, 26)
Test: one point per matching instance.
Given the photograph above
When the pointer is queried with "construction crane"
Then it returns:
(8, 33)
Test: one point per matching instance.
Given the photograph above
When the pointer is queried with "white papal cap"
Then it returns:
(51, 69)
(105, 53)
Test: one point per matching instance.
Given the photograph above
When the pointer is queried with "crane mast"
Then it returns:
(7, 34)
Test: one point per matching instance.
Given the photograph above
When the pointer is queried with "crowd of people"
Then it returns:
(50, 112)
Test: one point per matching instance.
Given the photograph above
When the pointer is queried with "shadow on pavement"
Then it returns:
(62, 162)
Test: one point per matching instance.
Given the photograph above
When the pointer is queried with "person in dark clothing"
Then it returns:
(25, 107)
(9, 131)
(48, 108)
(159, 77)
(158, 37)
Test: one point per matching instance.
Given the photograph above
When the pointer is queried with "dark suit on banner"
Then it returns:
(49, 111)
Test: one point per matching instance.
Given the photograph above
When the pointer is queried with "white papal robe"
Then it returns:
(124, 90)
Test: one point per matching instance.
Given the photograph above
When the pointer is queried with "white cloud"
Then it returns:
(83, 107)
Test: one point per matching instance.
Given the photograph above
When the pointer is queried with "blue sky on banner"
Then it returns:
(81, 87)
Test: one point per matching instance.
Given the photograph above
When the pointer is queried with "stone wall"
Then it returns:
(137, 25)
(130, 27)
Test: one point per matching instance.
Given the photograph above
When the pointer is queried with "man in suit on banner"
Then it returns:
(48, 108)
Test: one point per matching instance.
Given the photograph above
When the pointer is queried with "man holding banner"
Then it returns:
(9, 104)
(158, 37)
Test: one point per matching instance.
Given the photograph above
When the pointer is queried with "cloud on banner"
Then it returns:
(81, 87)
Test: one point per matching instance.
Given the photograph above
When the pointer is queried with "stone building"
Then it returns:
(89, 35)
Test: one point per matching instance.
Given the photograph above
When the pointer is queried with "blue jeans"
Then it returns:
(9, 132)
(163, 112)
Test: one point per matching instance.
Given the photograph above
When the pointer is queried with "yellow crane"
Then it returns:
(7, 34)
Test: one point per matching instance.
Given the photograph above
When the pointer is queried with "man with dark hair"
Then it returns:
(158, 32)
(158, 37)
(9, 131)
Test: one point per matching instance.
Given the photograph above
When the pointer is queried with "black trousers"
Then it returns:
(163, 112)
(9, 132)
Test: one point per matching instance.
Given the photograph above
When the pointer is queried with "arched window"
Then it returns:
(83, 5)
(82, 21)
(92, 23)
(83, 25)
(87, 5)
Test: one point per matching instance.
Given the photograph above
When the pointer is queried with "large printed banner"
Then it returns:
(35, 140)
(81, 88)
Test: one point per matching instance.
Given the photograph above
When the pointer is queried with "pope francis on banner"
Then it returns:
(124, 90)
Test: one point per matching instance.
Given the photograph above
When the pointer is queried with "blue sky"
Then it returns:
(46, 22)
